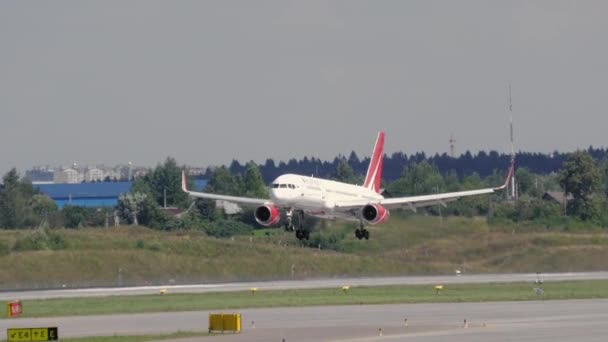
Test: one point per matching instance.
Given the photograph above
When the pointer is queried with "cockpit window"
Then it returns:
(283, 186)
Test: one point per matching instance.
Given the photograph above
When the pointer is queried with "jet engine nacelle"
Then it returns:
(374, 214)
(267, 214)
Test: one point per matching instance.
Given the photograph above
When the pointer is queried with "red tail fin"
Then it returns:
(374, 171)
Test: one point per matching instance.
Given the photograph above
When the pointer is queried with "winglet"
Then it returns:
(184, 188)
(509, 175)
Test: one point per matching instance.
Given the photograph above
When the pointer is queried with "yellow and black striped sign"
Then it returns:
(32, 334)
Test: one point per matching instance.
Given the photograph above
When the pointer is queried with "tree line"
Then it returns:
(581, 176)
(482, 163)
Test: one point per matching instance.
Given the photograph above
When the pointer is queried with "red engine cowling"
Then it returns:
(375, 214)
(267, 214)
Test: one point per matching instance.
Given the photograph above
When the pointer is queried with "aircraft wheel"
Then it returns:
(366, 234)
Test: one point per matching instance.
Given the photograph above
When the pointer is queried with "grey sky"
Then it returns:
(209, 81)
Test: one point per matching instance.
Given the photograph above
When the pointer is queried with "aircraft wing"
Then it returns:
(413, 202)
(233, 199)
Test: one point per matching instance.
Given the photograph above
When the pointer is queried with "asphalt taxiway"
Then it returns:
(539, 321)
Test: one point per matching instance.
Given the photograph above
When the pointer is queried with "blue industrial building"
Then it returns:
(92, 195)
(103, 194)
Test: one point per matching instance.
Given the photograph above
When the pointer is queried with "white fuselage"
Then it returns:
(317, 197)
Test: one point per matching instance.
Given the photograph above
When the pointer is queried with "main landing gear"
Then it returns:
(301, 232)
(362, 233)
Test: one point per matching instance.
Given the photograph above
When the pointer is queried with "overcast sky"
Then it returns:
(209, 81)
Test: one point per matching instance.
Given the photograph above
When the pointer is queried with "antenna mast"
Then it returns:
(452, 141)
(513, 192)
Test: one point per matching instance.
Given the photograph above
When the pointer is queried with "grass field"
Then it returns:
(311, 297)
(411, 245)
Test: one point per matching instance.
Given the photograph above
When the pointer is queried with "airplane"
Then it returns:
(327, 199)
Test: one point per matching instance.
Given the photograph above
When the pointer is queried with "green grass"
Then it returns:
(405, 245)
(312, 297)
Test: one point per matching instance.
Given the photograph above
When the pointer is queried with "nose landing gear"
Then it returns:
(289, 222)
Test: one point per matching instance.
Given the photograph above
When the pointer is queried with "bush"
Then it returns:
(468, 207)
(329, 241)
(171, 224)
(535, 210)
(4, 248)
(74, 217)
(39, 241)
(32, 242)
(226, 228)
(155, 246)
(56, 241)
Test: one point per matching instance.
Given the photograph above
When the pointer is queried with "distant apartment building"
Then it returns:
(113, 175)
(93, 175)
(76, 173)
(139, 171)
(196, 171)
(40, 174)
(68, 175)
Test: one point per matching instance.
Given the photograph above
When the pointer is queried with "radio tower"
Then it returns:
(452, 141)
(513, 191)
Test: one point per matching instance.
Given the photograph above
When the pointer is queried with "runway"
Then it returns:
(300, 284)
(581, 320)
(539, 321)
